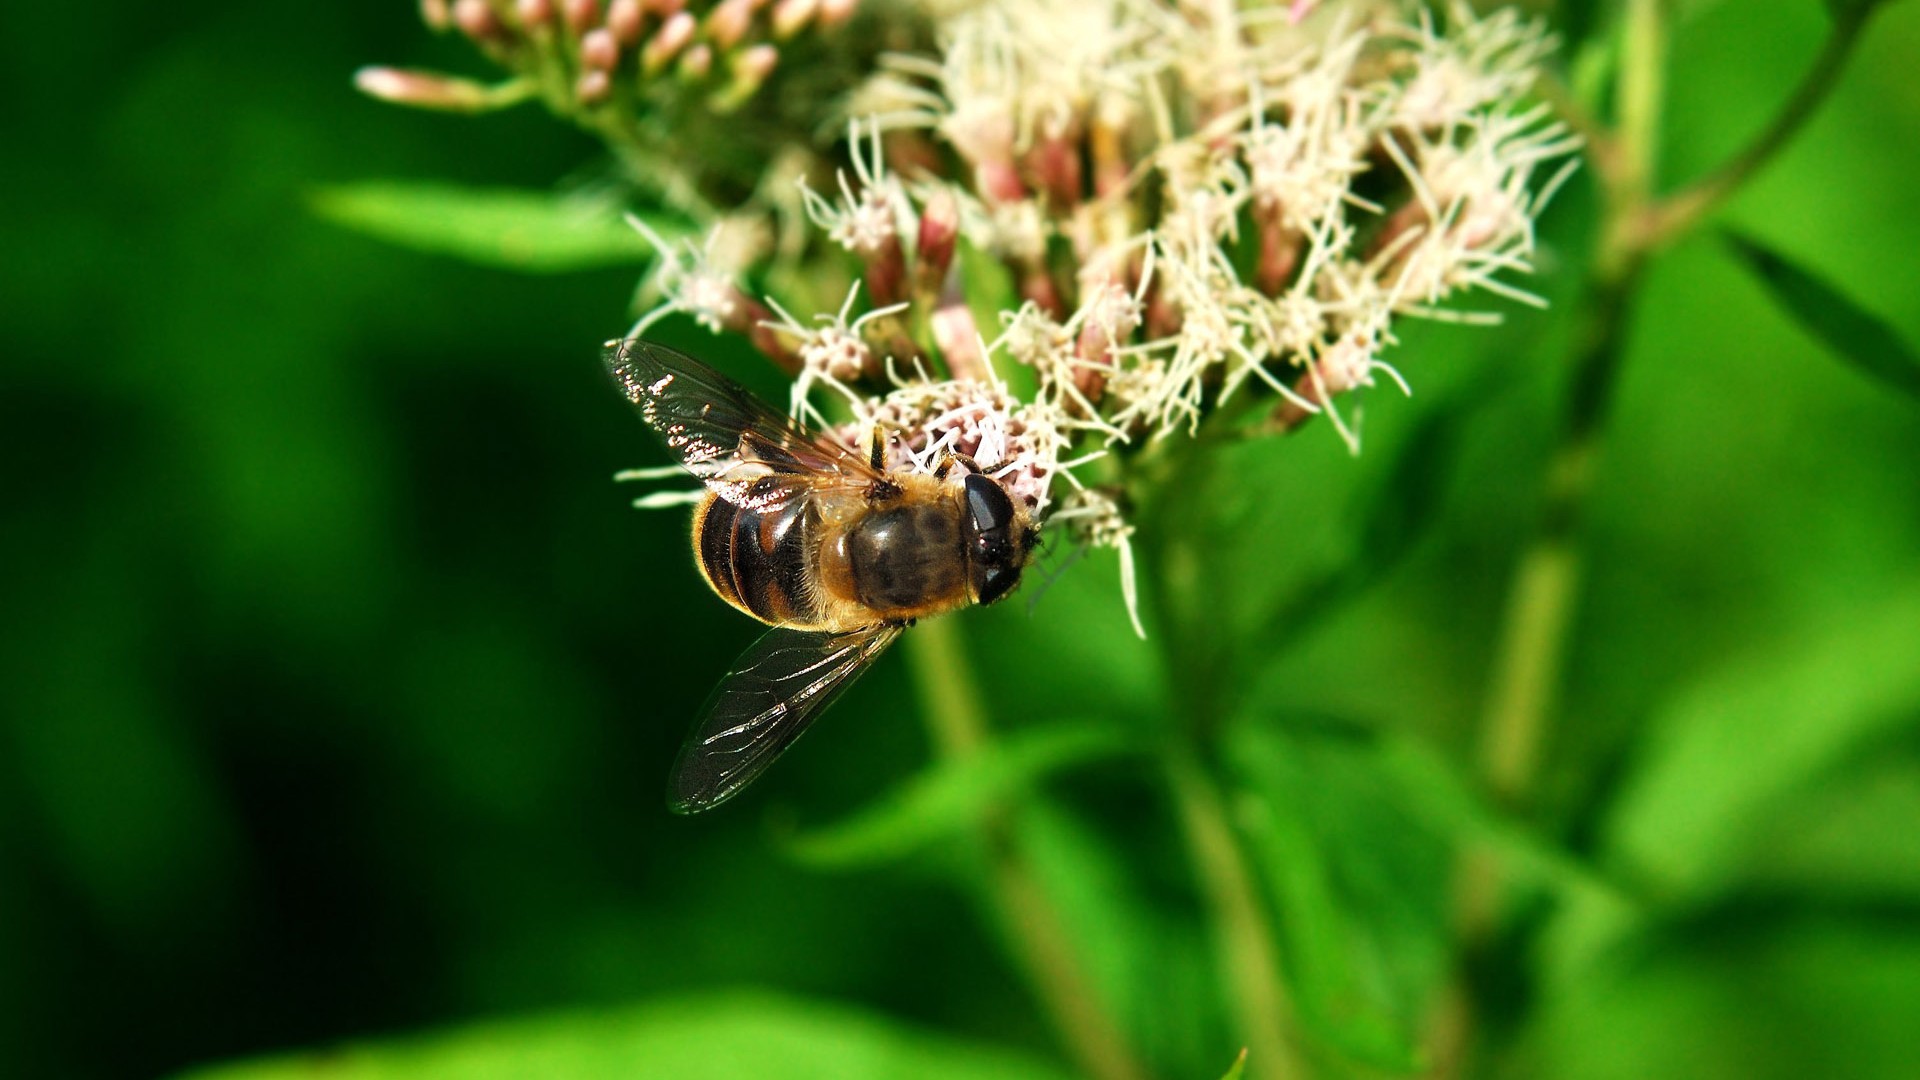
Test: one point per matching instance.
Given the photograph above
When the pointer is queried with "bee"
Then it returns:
(828, 547)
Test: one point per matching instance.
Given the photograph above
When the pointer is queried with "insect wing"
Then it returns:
(770, 697)
(725, 435)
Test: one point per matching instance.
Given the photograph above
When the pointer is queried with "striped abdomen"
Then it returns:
(760, 562)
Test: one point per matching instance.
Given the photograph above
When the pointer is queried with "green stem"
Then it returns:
(957, 721)
(1679, 212)
(1531, 649)
(1195, 664)
(1247, 950)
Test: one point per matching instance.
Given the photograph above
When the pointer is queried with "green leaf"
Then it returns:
(1855, 334)
(1239, 1067)
(1317, 936)
(1740, 997)
(955, 794)
(718, 1036)
(1433, 791)
(1149, 962)
(1358, 884)
(1384, 524)
(1848, 12)
(1744, 740)
(531, 231)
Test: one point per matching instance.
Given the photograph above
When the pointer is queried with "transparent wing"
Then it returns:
(746, 451)
(774, 691)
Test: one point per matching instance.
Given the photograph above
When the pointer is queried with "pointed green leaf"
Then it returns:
(1857, 335)
(1435, 792)
(717, 1036)
(1239, 1067)
(1759, 731)
(955, 794)
(1316, 936)
(1148, 962)
(1357, 881)
(1847, 12)
(529, 231)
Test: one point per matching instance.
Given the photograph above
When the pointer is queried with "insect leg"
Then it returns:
(949, 459)
(877, 457)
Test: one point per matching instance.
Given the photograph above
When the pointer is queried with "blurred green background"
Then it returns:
(341, 683)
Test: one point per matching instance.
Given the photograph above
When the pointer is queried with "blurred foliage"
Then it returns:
(691, 1038)
(534, 231)
(342, 682)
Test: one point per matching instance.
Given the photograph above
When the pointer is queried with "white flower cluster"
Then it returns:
(1190, 200)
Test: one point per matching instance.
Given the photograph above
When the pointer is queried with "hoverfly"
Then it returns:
(828, 547)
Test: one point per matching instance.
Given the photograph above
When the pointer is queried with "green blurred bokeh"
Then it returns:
(341, 682)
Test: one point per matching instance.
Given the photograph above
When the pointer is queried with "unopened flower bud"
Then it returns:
(957, 335)
(1055, 165)
(476, 19)
(667, 42)
(792, 16)
(594, 86)
(755, 64)
(534, 14)
(835, 12)
(697, 62)
(582, 15)
(599, 49)
(430, 90)
(435, 14)
(627, 19)
(664, 8)
(939, 233)
(728, 22)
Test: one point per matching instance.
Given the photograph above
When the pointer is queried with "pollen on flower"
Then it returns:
(931, 423)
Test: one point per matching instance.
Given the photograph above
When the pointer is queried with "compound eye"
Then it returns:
(995, 581)
(988, 506)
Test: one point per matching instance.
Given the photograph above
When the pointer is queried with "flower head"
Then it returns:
(1164, 207)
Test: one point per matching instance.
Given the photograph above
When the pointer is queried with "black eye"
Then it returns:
(993, 558)
(988, 506)
(994, 581)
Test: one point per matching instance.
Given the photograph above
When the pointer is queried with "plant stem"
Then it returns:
(1531, 650)
(1248, 952)
(957, 721)
(1679, 212)
(1246, 946)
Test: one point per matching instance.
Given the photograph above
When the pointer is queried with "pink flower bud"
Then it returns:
(594, 87)
(835, 12)
(792, 16)
(435, 14)
(755, 64)
(425, 89)
(728, 22)
(476, 19)
(697, 62)
(627, 20)
(667, 42)
(1055, 165)
(958, 337)
(534, 14)
(600, 49)
(582, 15)
(939, 233)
